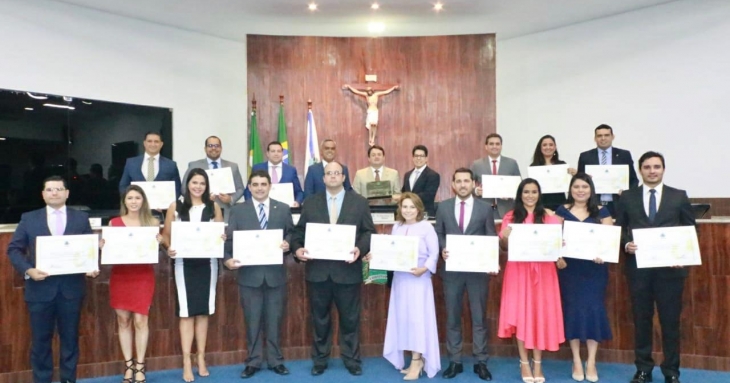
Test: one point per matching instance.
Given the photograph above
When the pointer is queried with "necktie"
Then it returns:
(652, 205)
(377, 175)
(59, 223)
(494, 173)
(461, 217)
(263, 222)
(603, 157)
(150, 169)
(215, 164)
(274, 175)
(415, 178)
(333, 210)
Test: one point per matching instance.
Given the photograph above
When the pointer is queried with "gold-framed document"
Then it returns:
(609, 179)
(198, 239)
(67, 254)
(332, 242)
(472, 253)
(667, 247)
(160, 194)
(394, 252)
(589, 241)
(378, 189)
(258, 247)
(125, 245)
(535, 242)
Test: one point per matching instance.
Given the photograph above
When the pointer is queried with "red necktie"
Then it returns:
(461, 217)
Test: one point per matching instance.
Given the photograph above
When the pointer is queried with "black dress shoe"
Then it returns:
(354, 370)
(482, 370)
(671, 379)
(453, 369)
(318, 370)
(249, 371)
(280, 370)
(641, 377)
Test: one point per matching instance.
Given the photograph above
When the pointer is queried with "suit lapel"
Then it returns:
(474, 212)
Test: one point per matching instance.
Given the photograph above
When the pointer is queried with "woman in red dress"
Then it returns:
(131, 288)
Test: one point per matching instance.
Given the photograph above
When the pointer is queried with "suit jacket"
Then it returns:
(426, 187)
(21, 251)
(480, 223)
(237, 180)
(245, 216)
(365, 176)
(314, 183)
(288, 174)
(355, 211)
(133, 173)
(674, 210)
(619, 157)
(507, 167)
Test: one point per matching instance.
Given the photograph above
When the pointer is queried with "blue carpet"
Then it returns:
(379, 370)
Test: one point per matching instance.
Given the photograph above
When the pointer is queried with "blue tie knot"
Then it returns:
(215, 164)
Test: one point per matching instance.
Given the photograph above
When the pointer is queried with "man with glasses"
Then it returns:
(313, 182)
(212, 160)
(151, 166)
(422, 180)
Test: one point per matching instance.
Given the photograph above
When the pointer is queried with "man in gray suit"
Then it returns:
(262, 289)
(495, 163)
(213, 148)
(464, 215)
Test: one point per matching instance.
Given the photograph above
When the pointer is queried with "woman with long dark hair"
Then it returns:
(530, 306)
(546, 154)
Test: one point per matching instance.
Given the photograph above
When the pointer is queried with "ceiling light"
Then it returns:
(376, 27)
(312, 6)
(87, 102)
(31, 95)
(2, 138)
(27, 108)
(60, 106)
(375, 6)
(438, 6)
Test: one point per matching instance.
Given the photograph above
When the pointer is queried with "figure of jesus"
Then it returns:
(371, 121)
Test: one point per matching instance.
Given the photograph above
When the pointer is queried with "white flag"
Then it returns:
(312, 156)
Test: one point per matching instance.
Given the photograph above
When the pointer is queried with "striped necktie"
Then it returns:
(263, 222)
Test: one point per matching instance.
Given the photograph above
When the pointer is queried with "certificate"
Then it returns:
(535, 242)
(393, 252)
(160, 194)
(552, 179)
(258, 247)
(67, 254)
(472, 253)
(500, 186)
(221, 181)
(129, 245)
(198, 239)
(283, 193)
(667, 246)
(609, 179)
(333, 242)
(590, 241)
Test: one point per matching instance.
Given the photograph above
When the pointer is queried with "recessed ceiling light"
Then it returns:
(438, 6)
(31, 95)
(59, 106)
(28, 108)
(312, 6)
(87, 102)
(375, 6)
(376, 27)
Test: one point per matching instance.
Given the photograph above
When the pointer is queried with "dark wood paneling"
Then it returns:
(718, 206)
(446, 101)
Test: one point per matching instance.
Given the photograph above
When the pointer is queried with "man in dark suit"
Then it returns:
(279, 172)
(606, 154)
(337, 281)
(422, 180)
(262, 289)
(470, 216)
(313, 180)
(654, 205)
(150, 166)
(52, 300)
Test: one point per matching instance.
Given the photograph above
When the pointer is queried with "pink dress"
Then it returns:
(530, 307)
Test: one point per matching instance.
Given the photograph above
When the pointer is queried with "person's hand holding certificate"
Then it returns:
(472, 253)
(552, 179)
(221, 181)
(160, 194)
(67, 254)
(258, 247)
(535, 242)
(500, 186)
(198, 239)
(667, 247)
(609, 179)
(393, 252)
(333, 242)
(590, 241)
(283, 193)
(129, 245)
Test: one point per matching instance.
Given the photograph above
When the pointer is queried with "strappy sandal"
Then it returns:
(143, 371)
(129, 364)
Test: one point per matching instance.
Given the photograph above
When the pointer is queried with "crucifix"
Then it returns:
(371, 93)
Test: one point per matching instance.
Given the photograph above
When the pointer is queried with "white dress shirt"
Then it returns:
(415, 174)
(647, 194)
(468, 207)
(380, 171)
(219, 161)
(51, 218)
(499, 161)
(267, 206)
(156, 160)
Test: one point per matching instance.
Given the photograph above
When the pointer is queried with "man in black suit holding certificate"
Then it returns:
(422, 180)
(337, 281)
(654, 205)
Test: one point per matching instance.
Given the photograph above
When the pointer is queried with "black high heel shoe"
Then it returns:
(129, 364)
(142, 370)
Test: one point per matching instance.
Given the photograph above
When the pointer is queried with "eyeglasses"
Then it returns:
(333, 173)
(51, 190)
(419, 156)
(213, 146)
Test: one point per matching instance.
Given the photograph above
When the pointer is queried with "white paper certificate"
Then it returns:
(552, 179)
(221, 181)
(67, 254)
(535, 242)
(667, 246)
(283, 193)
(393, 252)
(609, 179)
(590, 241)
(258, 247)
(472, 253)
(500, 186)
(160, 194)
(129, 245)
(333, 242)
(198, 239)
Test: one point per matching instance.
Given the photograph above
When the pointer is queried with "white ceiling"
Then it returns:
(234, 19)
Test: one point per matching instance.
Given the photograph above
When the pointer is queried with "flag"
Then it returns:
(312, 156)
(255, 153)
(282, 134)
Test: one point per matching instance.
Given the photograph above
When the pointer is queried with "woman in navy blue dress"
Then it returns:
(583, 283)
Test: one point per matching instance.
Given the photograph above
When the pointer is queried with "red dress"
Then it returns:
(131, 287)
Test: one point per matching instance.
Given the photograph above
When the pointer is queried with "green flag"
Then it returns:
(255, 153)
(282, 134)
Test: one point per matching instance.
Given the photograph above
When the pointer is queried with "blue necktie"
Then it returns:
(652, 205)
(215, 164)
(263, 222)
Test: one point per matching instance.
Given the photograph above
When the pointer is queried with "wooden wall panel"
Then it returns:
(446, 101)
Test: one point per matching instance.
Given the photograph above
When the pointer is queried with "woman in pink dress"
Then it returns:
(530, 308)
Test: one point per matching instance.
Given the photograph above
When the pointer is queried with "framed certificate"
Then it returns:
(160, 194)
(378, 189)
(535, 242)
(130, 245)
(472, 253)
(552, 179)
(500, 186)
(394, 252)
(333, 242)
(198, 239)
(67, 254)
(667, 246)
(590, 241)
(609, 179)
(258, 247)
(283, 193)
(221, 181)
